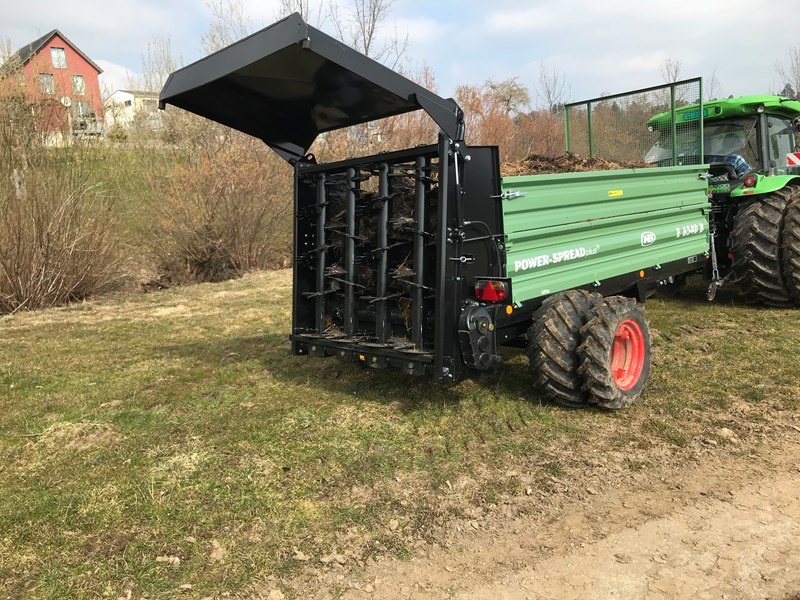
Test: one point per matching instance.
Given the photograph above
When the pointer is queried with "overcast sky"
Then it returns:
(601, 46)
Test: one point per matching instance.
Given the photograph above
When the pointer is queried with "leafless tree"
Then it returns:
(671, 70)
(230, 24)
(713, 90)
(9, 59)
(360, 24)
(6, 51)
(158, 61)
(512, 95)
(789, 70)
(552, 90)
(311, 11)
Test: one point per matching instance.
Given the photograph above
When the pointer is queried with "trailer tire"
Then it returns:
(616, 353)
(790, 245)
(553, 339)
(756, 247)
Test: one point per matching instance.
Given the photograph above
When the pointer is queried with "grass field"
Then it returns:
(164, 444)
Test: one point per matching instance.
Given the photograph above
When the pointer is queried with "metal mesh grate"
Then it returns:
(640, 127)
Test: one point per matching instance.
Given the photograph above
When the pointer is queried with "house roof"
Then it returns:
(28, 51)
(141, 93)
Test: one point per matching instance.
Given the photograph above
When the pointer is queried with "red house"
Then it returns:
(57, 73)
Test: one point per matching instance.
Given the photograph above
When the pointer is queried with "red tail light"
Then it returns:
(491, 291)
(750, 181)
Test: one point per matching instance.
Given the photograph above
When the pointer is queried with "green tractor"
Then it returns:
(754, 187)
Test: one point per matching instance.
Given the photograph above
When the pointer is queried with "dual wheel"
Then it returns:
(588, 350)
(765, 244)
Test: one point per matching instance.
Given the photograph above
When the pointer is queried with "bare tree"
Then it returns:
(230, 24)
(512, 95)
(9, 59)
(552, 90)
(6, 51)
(712, 91)
(789, 70)
(158, 61)
(310, 11)
(671, 70)
(360, 25)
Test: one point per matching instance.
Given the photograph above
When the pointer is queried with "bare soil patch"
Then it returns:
(728, 527)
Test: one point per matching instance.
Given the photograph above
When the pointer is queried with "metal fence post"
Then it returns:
(702, 115)
(566, 129)
(589, 123)
(674, 117)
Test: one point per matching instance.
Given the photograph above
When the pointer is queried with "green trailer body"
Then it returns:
(569, 230)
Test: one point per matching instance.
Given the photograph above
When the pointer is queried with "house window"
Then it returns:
(59, 57)
(128, 102)
(81, 109)
(78, 85)
(47, 83)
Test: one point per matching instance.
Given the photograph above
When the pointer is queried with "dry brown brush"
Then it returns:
(57, 227)
(224, 207)
(57, 240)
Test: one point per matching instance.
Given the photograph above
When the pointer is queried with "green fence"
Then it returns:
(638, 126)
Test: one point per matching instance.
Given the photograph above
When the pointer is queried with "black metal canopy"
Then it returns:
(290, 82)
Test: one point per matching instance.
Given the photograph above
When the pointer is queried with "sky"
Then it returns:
(600, 46)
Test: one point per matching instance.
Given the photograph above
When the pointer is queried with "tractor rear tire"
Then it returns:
(553, 339)
(616, 353)
(756, 247)
(790, 245)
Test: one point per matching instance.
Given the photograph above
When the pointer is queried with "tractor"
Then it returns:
(751, 146)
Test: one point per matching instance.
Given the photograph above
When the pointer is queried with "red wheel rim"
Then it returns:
(627, 355)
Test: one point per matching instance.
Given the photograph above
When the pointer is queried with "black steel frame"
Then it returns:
(468, 183)
(282, 67)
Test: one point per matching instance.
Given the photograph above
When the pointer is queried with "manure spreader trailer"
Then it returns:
(425, 259)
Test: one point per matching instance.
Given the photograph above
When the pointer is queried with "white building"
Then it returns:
(128, 107)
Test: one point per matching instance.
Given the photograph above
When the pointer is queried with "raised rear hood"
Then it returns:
(290, 82)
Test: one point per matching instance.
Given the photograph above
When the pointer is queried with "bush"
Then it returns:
(225, 211)
(57, 239)
(57, 231)
(117, 134)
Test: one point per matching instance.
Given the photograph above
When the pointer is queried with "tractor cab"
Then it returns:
(745, 141)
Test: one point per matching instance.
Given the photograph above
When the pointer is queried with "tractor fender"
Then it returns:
(766, 185)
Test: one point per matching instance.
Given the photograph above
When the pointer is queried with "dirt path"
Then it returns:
(728, 527)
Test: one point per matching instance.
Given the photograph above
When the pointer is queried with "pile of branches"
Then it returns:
(536, 164)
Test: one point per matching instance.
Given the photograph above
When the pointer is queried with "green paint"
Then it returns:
(765, 185)
(571, 229)
(728, 107)
(733, 108)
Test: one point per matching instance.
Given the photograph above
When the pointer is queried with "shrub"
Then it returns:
(57, 239)
(225, 210)
(57, 230)
(117, 134)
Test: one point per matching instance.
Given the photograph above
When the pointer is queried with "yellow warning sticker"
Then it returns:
(615, 193)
